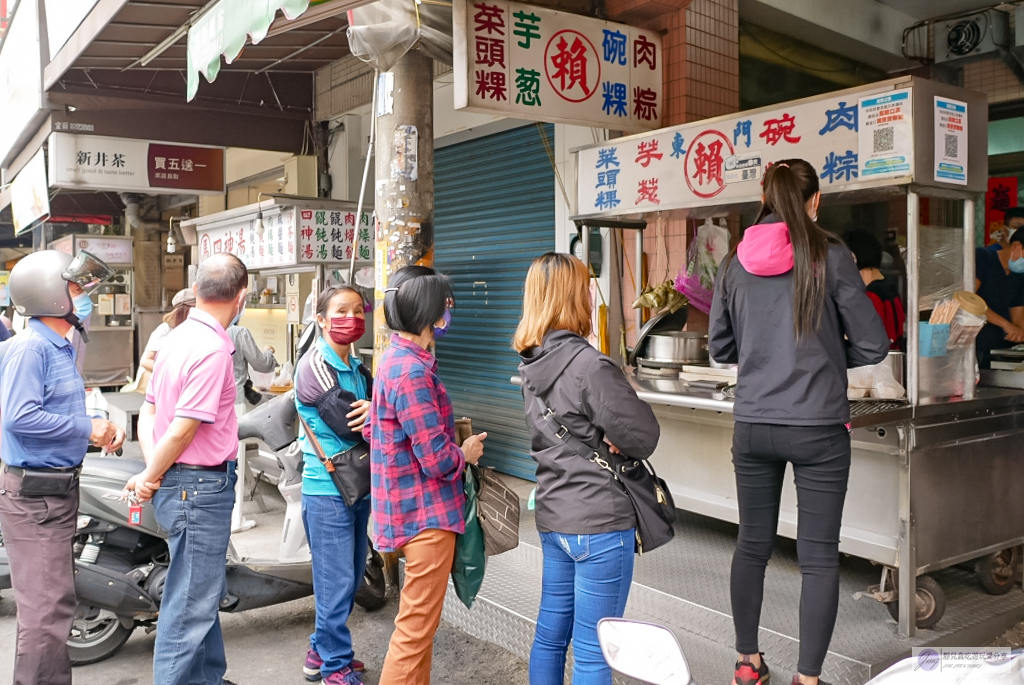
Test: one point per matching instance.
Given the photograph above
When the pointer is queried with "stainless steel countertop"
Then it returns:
(864, 413)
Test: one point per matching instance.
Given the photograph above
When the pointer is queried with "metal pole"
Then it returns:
(969, 353)
(404, 188)
(366, 174)
(639, 278)
(585, 242)
(913, 296)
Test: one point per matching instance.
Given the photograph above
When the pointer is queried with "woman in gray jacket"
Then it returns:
(790, 309)
(585, 519)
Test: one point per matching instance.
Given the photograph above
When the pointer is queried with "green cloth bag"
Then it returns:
(470, 555)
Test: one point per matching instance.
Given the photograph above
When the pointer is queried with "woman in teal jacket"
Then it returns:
(332, 396)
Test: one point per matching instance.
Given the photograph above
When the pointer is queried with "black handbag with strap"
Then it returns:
(350, 470)
(652, 502)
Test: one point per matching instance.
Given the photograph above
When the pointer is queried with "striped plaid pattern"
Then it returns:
(415, 462)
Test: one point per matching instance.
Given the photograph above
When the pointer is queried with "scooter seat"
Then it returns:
(112, 467)
(273, 422)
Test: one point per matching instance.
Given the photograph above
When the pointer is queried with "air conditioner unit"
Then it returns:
(973, 37)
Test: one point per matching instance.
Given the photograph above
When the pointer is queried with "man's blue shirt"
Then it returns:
(42, 402)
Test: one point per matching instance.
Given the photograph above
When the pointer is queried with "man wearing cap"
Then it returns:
(189, 437)
(44, 436)
(182, 304)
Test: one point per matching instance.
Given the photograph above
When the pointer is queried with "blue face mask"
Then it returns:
(440, 331)
(238, 317)
(83, 306)
(1017, 265)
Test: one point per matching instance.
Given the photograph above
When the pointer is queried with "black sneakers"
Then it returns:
(746, 674)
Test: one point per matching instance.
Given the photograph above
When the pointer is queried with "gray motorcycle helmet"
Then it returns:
(40, 284)
(37, 285)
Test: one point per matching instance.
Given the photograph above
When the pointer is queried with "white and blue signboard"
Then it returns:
(886, 137)
(950, 141)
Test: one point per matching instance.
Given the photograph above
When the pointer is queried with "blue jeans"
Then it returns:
(586, 578)
(194, 507)
(338, 544)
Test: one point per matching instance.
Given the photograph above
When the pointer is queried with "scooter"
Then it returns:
(651, 653)
(120, 569)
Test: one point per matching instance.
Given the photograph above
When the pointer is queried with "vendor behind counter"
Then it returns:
(1000, 282)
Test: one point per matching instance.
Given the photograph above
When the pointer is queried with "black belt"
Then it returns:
(20, 472)
(197, 467)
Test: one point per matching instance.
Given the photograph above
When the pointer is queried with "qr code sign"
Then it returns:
(884, 139)
(952, 146)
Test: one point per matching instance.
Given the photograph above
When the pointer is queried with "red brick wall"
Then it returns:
(700, 41)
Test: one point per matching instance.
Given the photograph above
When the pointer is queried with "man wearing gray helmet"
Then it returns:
(43, 439)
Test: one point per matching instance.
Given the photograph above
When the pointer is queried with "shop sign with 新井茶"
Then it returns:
(535, 63)
(124, 164)
(290, 235)
(850, 140)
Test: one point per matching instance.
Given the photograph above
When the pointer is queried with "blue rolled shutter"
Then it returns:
(494, 212)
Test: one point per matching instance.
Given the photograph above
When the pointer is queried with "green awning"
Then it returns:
(223, 30)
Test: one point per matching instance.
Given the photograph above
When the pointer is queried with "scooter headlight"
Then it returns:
(83, 522)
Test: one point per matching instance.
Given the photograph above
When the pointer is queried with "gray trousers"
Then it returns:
(38, 534)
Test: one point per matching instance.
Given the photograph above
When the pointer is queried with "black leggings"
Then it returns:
(821, 465)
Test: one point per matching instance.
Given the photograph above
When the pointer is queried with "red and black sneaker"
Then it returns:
(746, 674)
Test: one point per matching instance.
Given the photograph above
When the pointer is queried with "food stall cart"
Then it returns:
(110, 354)
(934, 477)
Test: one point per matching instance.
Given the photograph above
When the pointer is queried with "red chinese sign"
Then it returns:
(186, 167)
(705, 163)
(1001, 195)
(572, 66)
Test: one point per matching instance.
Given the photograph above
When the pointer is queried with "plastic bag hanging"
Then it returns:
(382, 32)
(470, 550)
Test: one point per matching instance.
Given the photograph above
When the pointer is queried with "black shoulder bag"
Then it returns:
(350, 470)
(652, 502)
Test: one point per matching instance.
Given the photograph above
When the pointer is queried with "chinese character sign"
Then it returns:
(706, 163)
(542, 64)
(327, 235)
(124, 164)
(272, 249)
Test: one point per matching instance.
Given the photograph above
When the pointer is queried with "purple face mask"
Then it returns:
(440, 331)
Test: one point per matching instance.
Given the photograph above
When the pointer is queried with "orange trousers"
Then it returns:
(428, 563)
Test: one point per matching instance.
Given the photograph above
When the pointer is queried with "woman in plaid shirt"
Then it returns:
(416, 491)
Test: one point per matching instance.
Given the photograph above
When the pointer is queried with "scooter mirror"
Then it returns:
(643, 651)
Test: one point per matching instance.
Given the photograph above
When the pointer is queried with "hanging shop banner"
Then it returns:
(125, 164)
(541, 64)
(223, 29)
(327, 235)
(724, 159)
(950, 141)
(274, 248)
(112, 250)
(290, 235)
(30, 195)
(1001, 195)
(886, 141)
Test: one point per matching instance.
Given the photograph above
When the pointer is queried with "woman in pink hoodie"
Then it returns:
(790, 308)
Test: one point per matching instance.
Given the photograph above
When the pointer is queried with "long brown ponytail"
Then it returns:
(788, 185)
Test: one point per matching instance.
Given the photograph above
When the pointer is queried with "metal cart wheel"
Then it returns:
(931, 603)
(998, 572)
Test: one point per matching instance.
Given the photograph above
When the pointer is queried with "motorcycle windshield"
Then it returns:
(87, 270)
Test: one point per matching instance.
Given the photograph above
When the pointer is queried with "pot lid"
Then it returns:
(661, 323)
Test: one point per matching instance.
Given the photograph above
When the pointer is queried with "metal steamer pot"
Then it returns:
(682, 347)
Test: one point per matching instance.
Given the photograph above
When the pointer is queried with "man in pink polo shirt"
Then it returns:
(189, 437)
